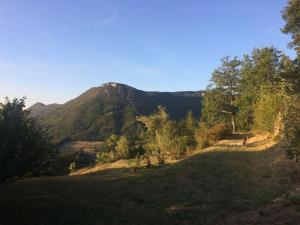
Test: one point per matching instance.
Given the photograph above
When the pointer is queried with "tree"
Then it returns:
(267, 112)
(212, 108)
(25, 146)
(225, 80)
(189, 132)
(161, 137)
(261, 75)
(291, 15)
(123, 148)
(292, 128)
(190, 121)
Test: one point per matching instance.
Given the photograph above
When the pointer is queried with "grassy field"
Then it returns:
(220, 184)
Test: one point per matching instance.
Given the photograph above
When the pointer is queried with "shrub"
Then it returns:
(218, 132)
(206, 136)
(123, 148)
(104, 157)
(291, 132)
(266, 112)
(135, 164)
(201, 135)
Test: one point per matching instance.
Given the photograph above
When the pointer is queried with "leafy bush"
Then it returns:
(266, 112)
(104, 157)
(291, 136)
(162, 138)
(123, 148)
(206, 136)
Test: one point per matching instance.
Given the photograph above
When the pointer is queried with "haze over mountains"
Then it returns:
(111, 109)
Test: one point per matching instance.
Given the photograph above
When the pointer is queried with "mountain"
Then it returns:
(40, 109)
(111, 108)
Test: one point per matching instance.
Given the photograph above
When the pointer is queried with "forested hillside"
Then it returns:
(40, 109)
(112, 109)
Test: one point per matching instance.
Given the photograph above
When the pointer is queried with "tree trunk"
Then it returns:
(232, 114)
(233, 123)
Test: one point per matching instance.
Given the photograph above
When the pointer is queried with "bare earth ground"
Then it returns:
(224, 184)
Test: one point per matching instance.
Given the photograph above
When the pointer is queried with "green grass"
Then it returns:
(205, 188)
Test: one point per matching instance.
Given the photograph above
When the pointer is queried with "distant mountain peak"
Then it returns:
(112, 84)
(39, 109)
(38, 104)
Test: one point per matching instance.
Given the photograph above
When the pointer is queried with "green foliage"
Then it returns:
(206, 136)
(261, 74)
(25, 146)
(111, 144)
(190, 121)
(119, 147)
(212, 107)
(162, 138)
(291, 136)
(186, 131)
(104, 157)
(242, 92)
(291, 15)
(267, 112)
(202, 135)
(225, 81)
(123, 148)
(291, 74)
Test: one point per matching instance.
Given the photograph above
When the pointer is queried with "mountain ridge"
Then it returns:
(111, 108)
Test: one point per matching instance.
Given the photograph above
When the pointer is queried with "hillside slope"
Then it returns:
(112, 109)
(40, 109)
(225, 184)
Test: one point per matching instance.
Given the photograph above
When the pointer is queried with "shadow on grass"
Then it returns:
(203, 189)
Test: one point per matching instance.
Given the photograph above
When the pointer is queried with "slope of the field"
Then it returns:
(225, 184)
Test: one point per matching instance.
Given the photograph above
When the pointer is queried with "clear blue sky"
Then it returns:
(52, 50)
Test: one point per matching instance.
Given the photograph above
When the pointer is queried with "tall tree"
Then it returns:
(225, 80)
(25, 146)
(213, 105)
(261, 74)
(291, 14)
